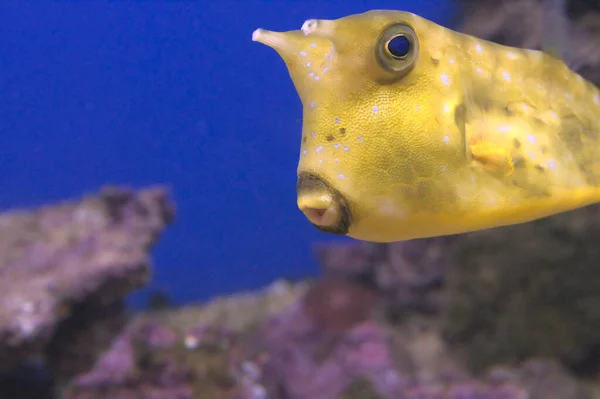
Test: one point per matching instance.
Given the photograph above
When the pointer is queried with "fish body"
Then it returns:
(413, 130)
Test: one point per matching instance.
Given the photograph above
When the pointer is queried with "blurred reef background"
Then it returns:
(150, 246)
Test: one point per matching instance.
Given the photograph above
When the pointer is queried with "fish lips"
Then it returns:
(312, 184)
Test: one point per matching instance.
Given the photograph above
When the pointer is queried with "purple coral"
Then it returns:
(124, 373)
(408, 275)
(338, 304)
(295, 344)
(307, 361)
(60, 259)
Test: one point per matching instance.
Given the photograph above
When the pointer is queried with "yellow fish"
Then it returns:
(413, 130)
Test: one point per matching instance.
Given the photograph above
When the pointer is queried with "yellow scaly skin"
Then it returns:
(462, 134)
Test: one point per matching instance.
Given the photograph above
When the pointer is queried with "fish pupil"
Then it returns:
(399, 46)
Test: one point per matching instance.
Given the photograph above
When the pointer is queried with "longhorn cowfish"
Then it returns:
(413, 130)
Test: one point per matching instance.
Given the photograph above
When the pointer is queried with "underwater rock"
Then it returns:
(542, 378)
(408, 275)
(305, 361)
(265, 345)
(64, 270)
(193, 352)
(370, 359)
(527, 290)
(337, 304)
(136, 367)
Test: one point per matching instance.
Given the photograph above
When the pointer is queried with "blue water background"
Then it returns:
(141, 93)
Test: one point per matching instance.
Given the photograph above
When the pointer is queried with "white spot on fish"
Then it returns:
(446, 107)
(336, 145)
(341, 176)
(417, 108)
(311, 74)
(478, 70)
(478, 48)
(360, 139)
(313, 134)
(525, 107)
(319, 148)
(346, 149)
(551, 164)
(451, 60)
(308, 64)
(337, 161)
(317, 78)
(506, 76)
(445, 79)
(326, 55)
(337, 120)
(320, 161)
(304, 152)
(597, 99)
(312, 105)
(446, 139)
(313, 45)
(326, 69)
(511, 55)
(531, 138)
(504, 128)
(375, 108)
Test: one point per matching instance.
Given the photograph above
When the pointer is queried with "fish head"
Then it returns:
(371, 139)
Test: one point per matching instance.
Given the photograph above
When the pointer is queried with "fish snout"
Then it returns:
(322, 205)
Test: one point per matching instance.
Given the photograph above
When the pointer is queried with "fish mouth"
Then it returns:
(324, 207)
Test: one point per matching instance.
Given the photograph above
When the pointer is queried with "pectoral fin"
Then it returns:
(493, 158)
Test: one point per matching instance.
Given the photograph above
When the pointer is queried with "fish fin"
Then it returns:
(491, 157)
(482, 148)
(477, 149)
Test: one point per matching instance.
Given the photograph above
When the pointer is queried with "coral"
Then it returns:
(408, 275)
(528, 290)
(356, 259)
(338, 304)
(308, 362)
(199, 352)
(136, 367)
(64, 270)
(193, 352)
(542, 378)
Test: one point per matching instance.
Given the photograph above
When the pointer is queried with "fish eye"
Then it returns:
(397, 48)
